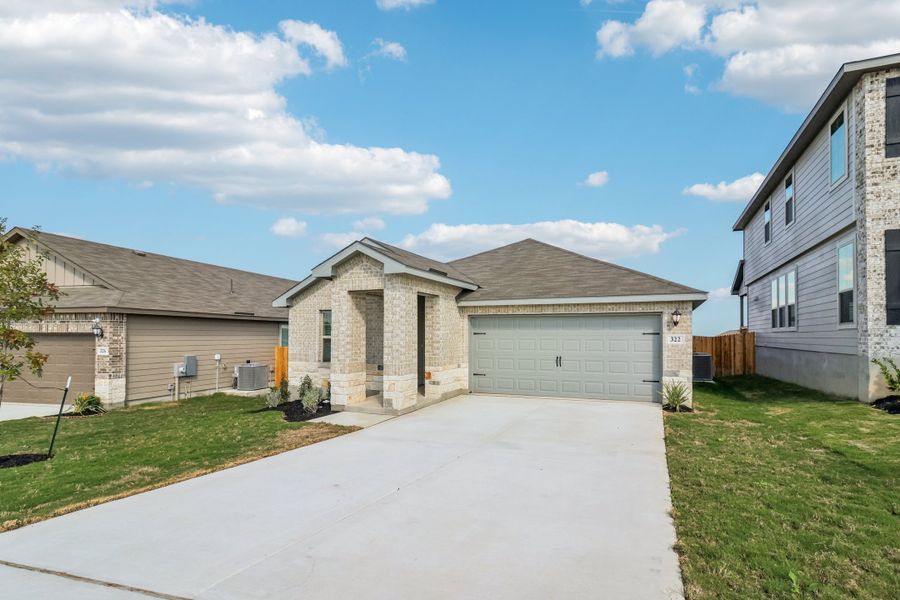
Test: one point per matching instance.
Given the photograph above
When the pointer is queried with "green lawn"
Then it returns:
(782, 492)
(130, 450)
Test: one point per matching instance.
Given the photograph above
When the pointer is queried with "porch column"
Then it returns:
(400, 352)
(348, 348)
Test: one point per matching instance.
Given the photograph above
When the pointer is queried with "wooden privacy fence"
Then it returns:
(732, 353)
(281, 363)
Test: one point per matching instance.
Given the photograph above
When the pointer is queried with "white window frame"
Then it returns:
(777, 284)
(846, 151)
(793, 179)
(837, 293)
(768, 205)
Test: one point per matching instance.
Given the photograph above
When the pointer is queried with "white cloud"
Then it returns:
(325, 43)
(720, 294)
(405, 4)
(585, 3)
(601, 240)
(368, 224)
(665, 24)
(782, 52)
(598, 179)
(289, 227)
(96, 91)
(739, 190)
(388, 49)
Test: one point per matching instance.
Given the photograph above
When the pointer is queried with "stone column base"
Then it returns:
(400, 391)
(348, 389)
(111, 391)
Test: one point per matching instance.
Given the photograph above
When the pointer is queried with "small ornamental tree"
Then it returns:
(25, 295)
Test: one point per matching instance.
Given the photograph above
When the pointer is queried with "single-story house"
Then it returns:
(391, 331)
(126, 317)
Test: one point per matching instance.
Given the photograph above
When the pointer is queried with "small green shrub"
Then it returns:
(305, 386)
(284, 391)
(273, 397)
(890, 371)
(88, 404)
(311, 399)
(675, 395)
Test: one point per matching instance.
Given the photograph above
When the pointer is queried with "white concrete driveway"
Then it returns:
(476, 497)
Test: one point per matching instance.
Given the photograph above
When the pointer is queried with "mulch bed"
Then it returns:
(18, 460)
(890, 405)
(293, 411)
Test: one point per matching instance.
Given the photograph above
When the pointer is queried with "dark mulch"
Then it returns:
(18, 460)
(293, 411)
(890, 405)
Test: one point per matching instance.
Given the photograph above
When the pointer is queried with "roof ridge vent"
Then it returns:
(139, 253)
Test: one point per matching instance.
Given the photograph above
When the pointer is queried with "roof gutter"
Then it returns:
(828, 102)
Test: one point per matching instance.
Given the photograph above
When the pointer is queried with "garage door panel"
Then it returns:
(602, 356)
(68, 355)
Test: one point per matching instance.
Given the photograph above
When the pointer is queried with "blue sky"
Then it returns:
(497, 113)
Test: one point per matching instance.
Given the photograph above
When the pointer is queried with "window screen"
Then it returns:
(892, 275)
(892, 118)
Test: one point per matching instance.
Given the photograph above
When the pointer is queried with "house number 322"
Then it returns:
(676, 339)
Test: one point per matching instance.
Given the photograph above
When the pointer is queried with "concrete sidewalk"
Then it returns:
(476, 497)
(10, 411)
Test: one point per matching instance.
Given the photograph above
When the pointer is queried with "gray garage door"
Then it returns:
(69, 354)
(613, 357)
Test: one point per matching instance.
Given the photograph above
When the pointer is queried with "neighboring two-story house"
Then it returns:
(820, 279)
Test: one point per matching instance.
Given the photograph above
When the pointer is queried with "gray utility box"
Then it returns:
(188, 368)
(252, 377)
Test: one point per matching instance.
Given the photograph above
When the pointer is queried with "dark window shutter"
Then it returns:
(892, 118)
(892, 275)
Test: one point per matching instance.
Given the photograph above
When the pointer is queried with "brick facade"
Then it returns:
(877, 209)
(375, 316)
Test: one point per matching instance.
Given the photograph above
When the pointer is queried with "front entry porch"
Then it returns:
(377, 368)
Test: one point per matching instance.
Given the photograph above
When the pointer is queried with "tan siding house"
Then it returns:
(151, 311)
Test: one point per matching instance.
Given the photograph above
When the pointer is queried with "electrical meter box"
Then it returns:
(190, 366)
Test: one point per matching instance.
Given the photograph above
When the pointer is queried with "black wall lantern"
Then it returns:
(96, 329)
(676, 317)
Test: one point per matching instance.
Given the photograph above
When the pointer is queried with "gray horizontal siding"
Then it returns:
(817, 325)
(820, 211)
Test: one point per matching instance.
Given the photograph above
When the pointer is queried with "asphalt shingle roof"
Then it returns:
(417, 261)
(532, 269)
(144, 281)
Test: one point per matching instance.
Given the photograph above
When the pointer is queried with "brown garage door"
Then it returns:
(69, 355)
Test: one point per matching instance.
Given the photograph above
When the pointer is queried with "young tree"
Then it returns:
(25, 295)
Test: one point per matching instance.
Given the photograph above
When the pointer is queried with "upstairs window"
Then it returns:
(326, 336)
(784, 300)
(892, 275)
(846, 284)
(789, 200)
(838, 148)
(892, 118)
(767, 223)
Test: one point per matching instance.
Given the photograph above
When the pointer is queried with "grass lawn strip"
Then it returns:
(132, 450)
(784, 492)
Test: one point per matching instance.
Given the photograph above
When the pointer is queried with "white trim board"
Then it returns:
(589, 300)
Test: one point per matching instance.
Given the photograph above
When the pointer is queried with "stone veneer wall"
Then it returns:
(677, 358)
(109, 371)
(877, 209)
